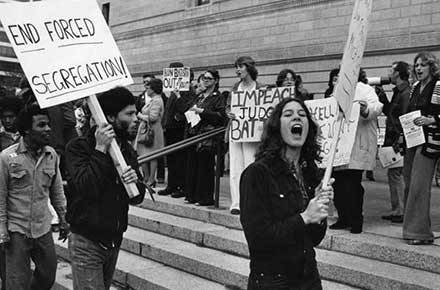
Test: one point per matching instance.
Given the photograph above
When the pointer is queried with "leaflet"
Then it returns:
(413, 134)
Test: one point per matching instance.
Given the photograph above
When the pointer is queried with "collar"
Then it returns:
(402, 86)
(23, 147)
(277, 165)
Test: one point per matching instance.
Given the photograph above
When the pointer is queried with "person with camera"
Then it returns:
(398, 74)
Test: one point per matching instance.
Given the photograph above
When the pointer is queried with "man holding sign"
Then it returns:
(97, 203)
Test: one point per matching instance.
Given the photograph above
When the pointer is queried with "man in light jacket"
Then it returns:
(349, 193)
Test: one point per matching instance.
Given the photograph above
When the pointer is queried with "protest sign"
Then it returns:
(352, 57)
(176, 78)
(67, 52)
(413, 134)
(325, 113)
(252, 109)
(65, 49)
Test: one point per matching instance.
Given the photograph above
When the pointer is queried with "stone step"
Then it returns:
(137, 273)
(176, 206)
(370, 245)
(233, 270)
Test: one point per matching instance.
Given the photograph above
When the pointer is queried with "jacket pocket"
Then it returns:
(48, 174)
(19, 179)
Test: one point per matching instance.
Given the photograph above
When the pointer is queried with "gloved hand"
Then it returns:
(64, 231)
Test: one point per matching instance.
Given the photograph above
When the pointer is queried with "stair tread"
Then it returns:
(325, 258)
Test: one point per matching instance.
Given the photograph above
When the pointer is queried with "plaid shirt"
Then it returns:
(26, 184)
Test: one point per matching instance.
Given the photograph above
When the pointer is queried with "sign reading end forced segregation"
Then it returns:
(65, 49)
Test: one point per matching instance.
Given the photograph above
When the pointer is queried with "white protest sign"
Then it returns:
(352, 57)
(252, 109)
(176, 78)
(65, 49)
(325, 113)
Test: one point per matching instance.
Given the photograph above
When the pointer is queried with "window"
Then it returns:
(202, 2)
(106, 11)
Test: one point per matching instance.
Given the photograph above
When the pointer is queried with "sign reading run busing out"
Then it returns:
(65, 49)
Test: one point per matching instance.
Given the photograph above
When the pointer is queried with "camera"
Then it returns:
(378, 81)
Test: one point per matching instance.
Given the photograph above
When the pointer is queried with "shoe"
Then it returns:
(205, 203)
(355, 230)
(166, 191)
(189, 201)
(397, 219)
(235, 211)
(177, 194)
(416, 242)
(387, 217)
(338, 226)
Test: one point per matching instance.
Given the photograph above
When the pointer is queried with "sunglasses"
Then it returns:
(207, 78)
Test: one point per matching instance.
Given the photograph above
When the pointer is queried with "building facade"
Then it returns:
(307, 36)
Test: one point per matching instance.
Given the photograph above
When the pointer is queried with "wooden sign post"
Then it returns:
(350, 66)
(67, 52)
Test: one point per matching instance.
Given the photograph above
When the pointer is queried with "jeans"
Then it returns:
(418, 172)
(396, 184)
(280, 282)
(93, 264)
(19, 251)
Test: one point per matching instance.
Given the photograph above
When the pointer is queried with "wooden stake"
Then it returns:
(114, 150)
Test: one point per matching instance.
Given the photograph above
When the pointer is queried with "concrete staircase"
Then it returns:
(172, 245)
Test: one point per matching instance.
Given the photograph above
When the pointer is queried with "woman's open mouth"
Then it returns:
(296, 130)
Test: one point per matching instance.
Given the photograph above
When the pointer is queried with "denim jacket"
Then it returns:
(26, 185)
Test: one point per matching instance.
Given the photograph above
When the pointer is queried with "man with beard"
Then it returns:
(29, 177)
(97, 202)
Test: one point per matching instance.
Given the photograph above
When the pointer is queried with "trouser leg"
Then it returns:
(44, 256)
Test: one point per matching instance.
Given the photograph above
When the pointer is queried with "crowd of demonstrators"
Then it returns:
(419, 161)
(97, 202)
(349, 192)
(283, 207)
(241, 154)
(174, 124)
(200, 163)
(151, 118)
(30, 174)
(399, 75)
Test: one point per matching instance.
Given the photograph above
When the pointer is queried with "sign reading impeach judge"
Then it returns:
(65, 49)
(252, 109)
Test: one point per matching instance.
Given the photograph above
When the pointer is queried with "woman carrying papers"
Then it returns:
(419, 162)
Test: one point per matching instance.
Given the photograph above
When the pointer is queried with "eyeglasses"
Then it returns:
(206, 78)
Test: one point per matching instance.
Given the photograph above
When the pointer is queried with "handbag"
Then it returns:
(146, 136)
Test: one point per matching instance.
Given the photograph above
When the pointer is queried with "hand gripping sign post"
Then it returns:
(67, 52)
(349, 72)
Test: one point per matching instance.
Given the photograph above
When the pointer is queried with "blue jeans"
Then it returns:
(93, 264)
(280, 282)
(19, 251)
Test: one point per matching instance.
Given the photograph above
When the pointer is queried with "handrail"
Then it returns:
(186, 143)
(179, 145)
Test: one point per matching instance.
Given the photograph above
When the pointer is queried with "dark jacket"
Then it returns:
(270, 205)
(97, 202)
(174, 115)
(213, 115)
(428, 107)
(393, 110)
